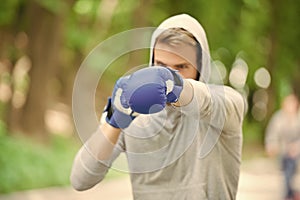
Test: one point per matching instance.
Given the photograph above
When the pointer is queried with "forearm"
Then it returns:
(195, 98)
(102, 143)
(186, 95)
(220, 106)
(93, 159)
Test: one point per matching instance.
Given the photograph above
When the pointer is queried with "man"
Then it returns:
(182, 137)
(283, 139)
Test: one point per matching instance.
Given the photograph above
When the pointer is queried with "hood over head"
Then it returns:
(191, 25)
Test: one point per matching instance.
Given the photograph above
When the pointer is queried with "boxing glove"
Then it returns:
(118, 112)
(149, 89)
(146, 91)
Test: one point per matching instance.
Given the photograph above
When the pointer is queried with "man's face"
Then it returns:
(181, 58)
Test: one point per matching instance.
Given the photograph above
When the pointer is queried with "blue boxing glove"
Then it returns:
(118, 113)
(149, 89)
(146, 91)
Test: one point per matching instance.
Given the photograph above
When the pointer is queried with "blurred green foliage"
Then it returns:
(8, 11)
(26, 164)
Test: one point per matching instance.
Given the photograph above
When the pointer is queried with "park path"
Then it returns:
(260, 180)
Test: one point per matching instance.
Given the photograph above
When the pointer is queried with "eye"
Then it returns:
(180, 67)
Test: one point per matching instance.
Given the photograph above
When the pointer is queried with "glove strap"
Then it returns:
(177, 79)
(117, 118)
(173, 96)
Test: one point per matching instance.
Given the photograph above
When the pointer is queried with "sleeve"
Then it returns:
(221, 110)
(93, 161)
(220, 106)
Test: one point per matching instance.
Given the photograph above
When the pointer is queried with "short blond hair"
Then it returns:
(176, 36)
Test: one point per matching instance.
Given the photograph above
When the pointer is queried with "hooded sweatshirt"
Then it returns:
(194, 27)
(190, 152)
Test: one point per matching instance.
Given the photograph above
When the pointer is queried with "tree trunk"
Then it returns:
(140, 19)
(271, 60)
(45, 34)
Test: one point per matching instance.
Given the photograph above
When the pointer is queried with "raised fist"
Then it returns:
(145, 91)
(149, 89)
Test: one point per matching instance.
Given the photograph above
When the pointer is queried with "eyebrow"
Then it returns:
(184, 63)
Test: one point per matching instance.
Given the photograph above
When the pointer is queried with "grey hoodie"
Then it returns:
(194, 27)
(190, 152)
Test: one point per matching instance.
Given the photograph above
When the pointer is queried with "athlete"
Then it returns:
(182, 136)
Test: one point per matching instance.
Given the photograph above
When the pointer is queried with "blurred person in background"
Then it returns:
(283, 140)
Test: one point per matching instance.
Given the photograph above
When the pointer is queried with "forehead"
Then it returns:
(175, 54)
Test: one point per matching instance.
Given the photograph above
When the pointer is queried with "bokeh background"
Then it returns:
(254, 45)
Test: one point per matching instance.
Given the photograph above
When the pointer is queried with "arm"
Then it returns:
(186, 95)
(272, 135)
(145, 91)
(94, 158)
(221, 106)
(98, 152)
